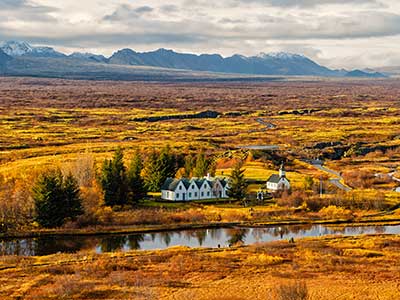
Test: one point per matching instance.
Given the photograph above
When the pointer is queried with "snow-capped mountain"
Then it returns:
(280, 63)
(16, 48)
(21, 58)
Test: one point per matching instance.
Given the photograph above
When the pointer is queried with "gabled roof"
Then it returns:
(224, 182)
(171, 184)
(186, 182)
(197, 181)
(274, 178)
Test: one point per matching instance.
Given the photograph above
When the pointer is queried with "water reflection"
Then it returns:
(192, 238)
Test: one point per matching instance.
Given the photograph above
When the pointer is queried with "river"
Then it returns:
(213, 238)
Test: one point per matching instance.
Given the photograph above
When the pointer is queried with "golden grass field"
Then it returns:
(364, 267)
(47, 122)
(50, 122)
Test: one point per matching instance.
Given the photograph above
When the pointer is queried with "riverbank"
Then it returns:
(359, 267)
(141, 229)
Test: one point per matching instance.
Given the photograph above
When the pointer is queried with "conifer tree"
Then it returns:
(47, 195)
(153, 176)
(73, 202)
(113, 180)
(159, 166)
(136, 185)
(189, 165)
(237, 183)
(56, 199)
(202, 166)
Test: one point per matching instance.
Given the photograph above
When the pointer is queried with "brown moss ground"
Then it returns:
(365, 267)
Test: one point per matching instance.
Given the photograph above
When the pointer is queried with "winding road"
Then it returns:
(337, 181)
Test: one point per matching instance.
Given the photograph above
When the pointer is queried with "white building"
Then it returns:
(278, 182)
(194, 189)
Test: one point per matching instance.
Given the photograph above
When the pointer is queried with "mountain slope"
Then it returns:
(16, 49)
(264, 64)
(4, 58)
(89, 57)
(21, 58)
(359, 73)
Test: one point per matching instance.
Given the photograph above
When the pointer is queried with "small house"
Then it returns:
(278, 182)
(194, 189)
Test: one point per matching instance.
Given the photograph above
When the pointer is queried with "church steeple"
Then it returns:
(282, 172)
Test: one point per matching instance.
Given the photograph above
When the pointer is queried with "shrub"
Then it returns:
(334, 212)
(295, 199)
(292, 291)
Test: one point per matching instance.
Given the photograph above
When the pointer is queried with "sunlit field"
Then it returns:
(325, 268)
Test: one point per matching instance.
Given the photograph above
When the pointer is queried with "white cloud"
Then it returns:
(339, 33)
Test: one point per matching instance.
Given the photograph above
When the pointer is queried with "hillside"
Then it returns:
(162, 64)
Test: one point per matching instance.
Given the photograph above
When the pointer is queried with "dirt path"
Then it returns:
(337, 181)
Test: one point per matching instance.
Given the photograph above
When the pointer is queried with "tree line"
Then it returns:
(57, 197)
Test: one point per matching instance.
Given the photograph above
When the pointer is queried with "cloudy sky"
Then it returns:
(336, 33)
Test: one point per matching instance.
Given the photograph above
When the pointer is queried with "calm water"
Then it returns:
(192, 238)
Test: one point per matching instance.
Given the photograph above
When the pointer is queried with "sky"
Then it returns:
(335, 33)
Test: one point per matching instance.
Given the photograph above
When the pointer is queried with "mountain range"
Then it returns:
(23, 59)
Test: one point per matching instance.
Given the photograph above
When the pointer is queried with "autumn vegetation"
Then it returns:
(84, 149)
(77, 127)
(317, 268)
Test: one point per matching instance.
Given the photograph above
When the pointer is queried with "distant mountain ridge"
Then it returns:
(263, 64)
(18, 57)
(15, 49)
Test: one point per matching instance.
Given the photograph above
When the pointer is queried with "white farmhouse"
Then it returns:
(175, 190)
(278, 182)
(194, 189)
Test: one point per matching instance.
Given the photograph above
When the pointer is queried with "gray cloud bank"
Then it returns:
(330, 31)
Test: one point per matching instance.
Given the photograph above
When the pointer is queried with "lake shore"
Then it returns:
(112, 230)
(243, 272)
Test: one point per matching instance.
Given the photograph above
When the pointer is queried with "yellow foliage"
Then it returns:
(263, 259)
(334, 212)
(362, 253)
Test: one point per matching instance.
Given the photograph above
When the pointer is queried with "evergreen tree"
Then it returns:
(47, 195)
(237, 183)
(153, 176)
(202, 166)
(56, 199)
(73, 202)
(113, 180)
(135, 181)
(167, 163)
(189, 164)
(159, 166)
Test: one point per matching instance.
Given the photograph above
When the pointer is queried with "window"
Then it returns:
(177, 196)
(190, 194)
(195, 194)
(180, 188)
(208, 193)
(202, 194)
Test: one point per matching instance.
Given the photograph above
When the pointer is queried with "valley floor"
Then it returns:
(364, 267)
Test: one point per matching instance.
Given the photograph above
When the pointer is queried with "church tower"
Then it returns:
(282, 172)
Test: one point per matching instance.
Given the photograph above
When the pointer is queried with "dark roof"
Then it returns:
(224, 182)
(274, 178)
(186, 182)
(198, 182)
(170, 184)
